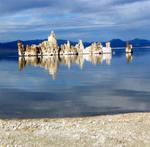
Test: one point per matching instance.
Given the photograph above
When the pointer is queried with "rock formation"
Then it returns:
(96, 48)
(80, 47)
(31, 50)
(51, 48)
(129, 48)
(21, 49)
(107, 49)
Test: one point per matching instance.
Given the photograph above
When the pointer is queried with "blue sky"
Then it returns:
(90, 20)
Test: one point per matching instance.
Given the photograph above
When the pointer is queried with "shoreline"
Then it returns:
(129, 129)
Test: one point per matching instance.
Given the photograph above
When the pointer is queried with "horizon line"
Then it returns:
(76, 40)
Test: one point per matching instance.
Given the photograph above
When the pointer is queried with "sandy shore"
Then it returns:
(114, 130)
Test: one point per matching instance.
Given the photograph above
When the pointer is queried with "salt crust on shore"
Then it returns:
(112, 130)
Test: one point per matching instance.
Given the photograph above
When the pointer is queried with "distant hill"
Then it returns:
(140, 42)
(134, 42)
(114, 43)
(118, 43)
(13, 44)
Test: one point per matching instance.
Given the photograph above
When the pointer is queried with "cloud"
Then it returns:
(40, 16)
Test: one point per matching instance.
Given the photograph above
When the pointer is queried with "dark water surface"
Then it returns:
(74, 86)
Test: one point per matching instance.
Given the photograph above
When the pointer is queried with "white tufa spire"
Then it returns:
(52, 38)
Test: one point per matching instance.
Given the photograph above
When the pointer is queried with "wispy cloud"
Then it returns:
(35, 18)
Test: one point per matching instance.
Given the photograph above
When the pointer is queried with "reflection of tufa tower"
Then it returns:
(129, 57)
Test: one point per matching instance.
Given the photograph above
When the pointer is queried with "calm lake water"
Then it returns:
(72, 86)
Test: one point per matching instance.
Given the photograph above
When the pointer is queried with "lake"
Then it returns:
(73, 86)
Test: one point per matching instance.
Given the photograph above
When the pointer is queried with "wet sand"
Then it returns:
(111, 130)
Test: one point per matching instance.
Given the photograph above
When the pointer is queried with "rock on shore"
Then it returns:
(115, 130)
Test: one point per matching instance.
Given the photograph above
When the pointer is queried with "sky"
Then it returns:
(89, 20)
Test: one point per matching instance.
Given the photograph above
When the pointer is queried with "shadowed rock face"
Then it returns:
(50, 48)
(21, 49)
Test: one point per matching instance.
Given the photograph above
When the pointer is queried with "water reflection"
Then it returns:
(51, 63)
(129, 57)
(95, 90)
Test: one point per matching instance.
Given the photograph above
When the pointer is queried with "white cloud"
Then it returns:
(30, 16)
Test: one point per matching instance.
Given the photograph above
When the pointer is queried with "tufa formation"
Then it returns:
(50, 48)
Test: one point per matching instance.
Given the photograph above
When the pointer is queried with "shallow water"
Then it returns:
(71, 86)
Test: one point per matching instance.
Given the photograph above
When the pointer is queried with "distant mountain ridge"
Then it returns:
(114, 43)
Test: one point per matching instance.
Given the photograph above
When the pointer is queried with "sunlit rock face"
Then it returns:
(107, 49)
(31, 50)
(80, 47)
(52, 39)
(68, 49)
(43, 47)
(129, 48)
(51, 48)
(95, 48)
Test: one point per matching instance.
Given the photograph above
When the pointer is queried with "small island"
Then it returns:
(51, 48)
